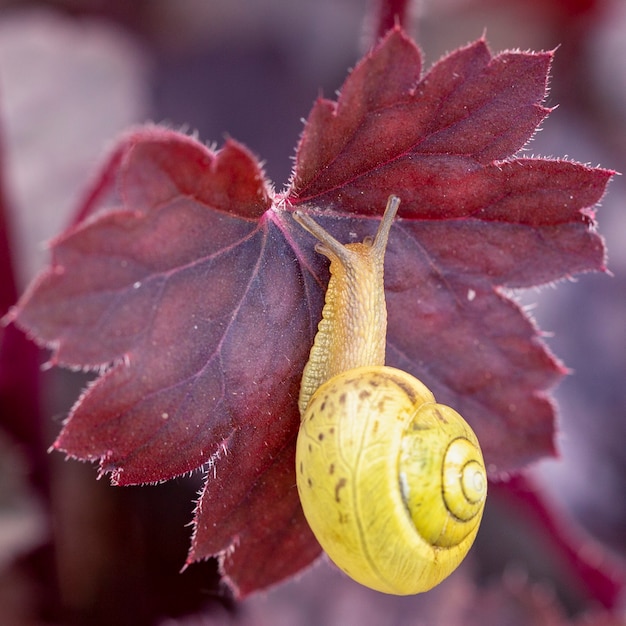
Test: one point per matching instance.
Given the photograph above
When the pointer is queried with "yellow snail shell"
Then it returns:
(392, 484)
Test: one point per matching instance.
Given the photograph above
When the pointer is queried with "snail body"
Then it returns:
(392, 484)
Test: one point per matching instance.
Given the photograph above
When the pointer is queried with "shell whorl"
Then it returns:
(442, 475)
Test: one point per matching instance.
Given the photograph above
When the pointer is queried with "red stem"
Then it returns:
(388, 13)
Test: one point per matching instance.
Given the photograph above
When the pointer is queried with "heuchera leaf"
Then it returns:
(199, 296)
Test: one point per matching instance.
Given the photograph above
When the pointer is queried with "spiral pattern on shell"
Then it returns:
(441, 469)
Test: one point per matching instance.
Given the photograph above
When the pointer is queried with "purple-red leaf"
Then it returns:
(469, 108)
(469, 225)
(191, 292)
(199, 296)
(259, 515)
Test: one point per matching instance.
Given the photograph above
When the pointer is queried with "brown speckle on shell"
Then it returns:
(341, 483)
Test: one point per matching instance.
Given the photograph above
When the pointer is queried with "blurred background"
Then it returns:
(73, 75)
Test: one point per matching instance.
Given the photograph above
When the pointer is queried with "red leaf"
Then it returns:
(159, 287)
(200, 296)
(271, 538)
(471, 225)
(387, 126)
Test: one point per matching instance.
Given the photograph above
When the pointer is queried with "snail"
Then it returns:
(392, 484)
